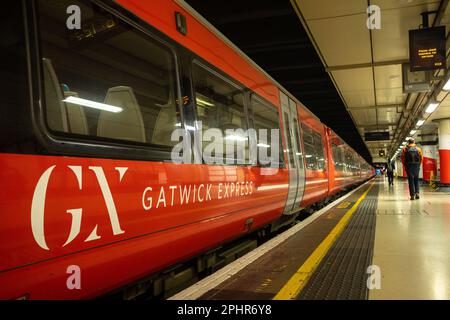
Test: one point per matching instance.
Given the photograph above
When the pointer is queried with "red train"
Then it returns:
(90, 199)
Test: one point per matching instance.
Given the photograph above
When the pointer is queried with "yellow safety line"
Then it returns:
(298, 281)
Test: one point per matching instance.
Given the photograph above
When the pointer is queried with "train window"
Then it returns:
(299, 148)
(289, 146)
(348, 161)
(337, 157)
(265, 117)
(107, 80)
(310, 152)
(15, 130)
(318, 145)
(220, 105)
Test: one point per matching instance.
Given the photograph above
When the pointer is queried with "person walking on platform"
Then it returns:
(390, 172)
(412, 158)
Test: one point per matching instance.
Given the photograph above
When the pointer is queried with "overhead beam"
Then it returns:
(294, 67)
(375, 125)
(252, 15)
(262, 49)
(303, 81)
(379, 106)
(365, 65)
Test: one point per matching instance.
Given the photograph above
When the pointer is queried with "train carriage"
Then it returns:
(88, 178)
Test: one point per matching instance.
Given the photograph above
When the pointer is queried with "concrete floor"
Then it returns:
(412, 243)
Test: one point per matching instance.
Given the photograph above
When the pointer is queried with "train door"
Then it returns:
(294, 153)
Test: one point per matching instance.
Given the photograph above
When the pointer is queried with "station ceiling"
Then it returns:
(366, 64)
(348, 75)
(272, 35)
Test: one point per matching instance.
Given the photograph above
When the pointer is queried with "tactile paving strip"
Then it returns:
(342, 274)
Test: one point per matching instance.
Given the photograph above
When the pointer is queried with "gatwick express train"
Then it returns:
(91, 203)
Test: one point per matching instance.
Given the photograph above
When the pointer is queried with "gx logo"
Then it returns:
(38, 205)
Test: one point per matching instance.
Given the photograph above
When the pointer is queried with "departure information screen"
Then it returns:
(427, 49)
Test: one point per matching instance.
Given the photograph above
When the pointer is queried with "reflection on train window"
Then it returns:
(299, 146)
(314, 155)
(220, 105)
(106, 81)
(310, 152)
(266, 117)
(318, 144)
(349, 162)
(289, 146)
(337, 157)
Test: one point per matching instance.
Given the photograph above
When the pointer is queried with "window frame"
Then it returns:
(252, 95)
(308, 131)
(319, 147)
(81, 145)
(197, 61)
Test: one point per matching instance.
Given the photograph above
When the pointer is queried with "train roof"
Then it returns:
(228, 42)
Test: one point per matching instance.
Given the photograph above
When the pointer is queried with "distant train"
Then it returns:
(91, 200)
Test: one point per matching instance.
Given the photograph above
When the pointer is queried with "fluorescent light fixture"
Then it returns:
(407, 138)
(263, 145)
(420, 122)
(431, 107)
(235, 138)
(204, 103)
(447, 85)
(93, 104)
(187, 127)
(412, 132)
(308, 156)
(403, 143)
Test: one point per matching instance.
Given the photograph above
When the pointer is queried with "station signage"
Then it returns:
(427, 49)
(376, 136)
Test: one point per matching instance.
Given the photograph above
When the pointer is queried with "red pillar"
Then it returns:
(429, 163)
(444, 150)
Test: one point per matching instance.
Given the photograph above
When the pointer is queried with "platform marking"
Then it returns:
(343, 205)
(298, 281)
(212, 281)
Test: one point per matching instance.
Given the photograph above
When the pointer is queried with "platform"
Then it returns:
(327, 255)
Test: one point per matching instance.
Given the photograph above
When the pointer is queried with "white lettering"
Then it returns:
(147, 201)
(185, 194)
(107, 196)
(198, 194)
(219, 191)
(173, 194)
(208, 191)
(161, 198)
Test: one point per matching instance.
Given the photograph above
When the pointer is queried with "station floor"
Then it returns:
(412, 243)
(406, 244)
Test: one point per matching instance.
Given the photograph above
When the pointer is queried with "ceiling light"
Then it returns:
(235, 138)
(186, 126)
(92, 104)
(447, 85)
(420, 122)
(431, 107)
(412, 132)
(203, 103)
